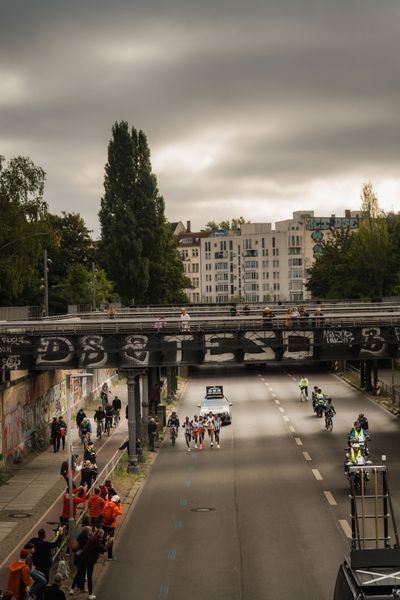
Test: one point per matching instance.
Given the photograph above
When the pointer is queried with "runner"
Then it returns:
(210, 427)
(187, 428)
(195, 430)
(202, 430)
(217, 428)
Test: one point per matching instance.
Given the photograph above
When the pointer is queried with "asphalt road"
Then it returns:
(278, 519)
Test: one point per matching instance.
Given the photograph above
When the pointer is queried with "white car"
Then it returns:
(217, 403)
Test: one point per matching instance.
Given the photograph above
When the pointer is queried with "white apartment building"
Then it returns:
(189, 248)
(259, 263)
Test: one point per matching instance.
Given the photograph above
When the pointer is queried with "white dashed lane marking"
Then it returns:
(306, 456)
(292, 429)
(285, 418)
(298, 441)
(282, 410)
(277, 401)
(330, 498)
(317, 474)
(346, 527)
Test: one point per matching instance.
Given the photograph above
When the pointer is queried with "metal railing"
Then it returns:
(104, 474)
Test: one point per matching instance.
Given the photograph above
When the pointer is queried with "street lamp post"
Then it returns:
(46, 262)
(71, 519)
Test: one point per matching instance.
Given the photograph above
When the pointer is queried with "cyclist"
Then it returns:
(303, 384)
(117, 405)
(173, 421)
(314, 395)
(109, 416)
(99, 417)
(330, 411)
(319, 402)
(85, 429)
(187, 427)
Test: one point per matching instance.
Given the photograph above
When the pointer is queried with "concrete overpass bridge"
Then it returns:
(137, 343)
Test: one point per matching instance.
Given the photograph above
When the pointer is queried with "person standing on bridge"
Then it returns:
(185, 320)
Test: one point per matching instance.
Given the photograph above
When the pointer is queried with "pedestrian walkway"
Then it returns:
(27, 499)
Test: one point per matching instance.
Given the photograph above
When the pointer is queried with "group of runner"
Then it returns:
(195, 429)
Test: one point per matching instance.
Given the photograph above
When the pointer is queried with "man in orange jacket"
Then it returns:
(78, 497)
(96, 504)
(20, 579)
(112, 509)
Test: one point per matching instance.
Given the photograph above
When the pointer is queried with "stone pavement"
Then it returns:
(29, 495)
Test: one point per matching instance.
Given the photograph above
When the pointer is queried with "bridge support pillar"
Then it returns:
(145, 396)
(133, 402)
(171, 383)
(375, 375)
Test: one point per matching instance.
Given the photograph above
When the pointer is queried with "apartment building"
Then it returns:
(259, 263)
(189, 248)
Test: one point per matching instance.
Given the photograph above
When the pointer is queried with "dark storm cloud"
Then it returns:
(244, 104)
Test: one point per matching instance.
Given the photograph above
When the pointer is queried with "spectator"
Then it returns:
(267, 317)
(106, 490)
(19, 580)
(96, 504)
(63, 431)
(112, 313)
(232, 310)
(152, 433)
(64, 468)
(160, 323)
(78, 497)
(185, 320)
(80, 542)
(90, 453)
(88, 474)
(319, 318)
(38, 578)
(246, 310)
(42, 556)
(155, 395)
(95, 546)
(54, 591)
(55, 434)
(112, 509)
(80, 415)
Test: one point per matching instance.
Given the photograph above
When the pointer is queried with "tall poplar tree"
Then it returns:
(121, 245)
(155, 272)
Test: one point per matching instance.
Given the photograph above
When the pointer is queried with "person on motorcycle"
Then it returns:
(362, 419)
(319, 403)
(303, 385)
(173, 421)
(314, 395)
(358, 434)
(329, 410)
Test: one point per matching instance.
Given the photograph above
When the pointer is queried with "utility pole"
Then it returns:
(46, 284)
(93, 286)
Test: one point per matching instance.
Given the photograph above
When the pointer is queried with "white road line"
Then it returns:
(298, 441)
(277, 401)
(285, 418)
(292, 429)
(307, 456)
(282, 410)
(346, 527)
(273, 395)
(262, 379)
(330, 498)
(317, 474)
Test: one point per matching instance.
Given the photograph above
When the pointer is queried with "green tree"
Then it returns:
(232, 224)
(121, 245)
(71, 245)
(24, 231)
(137, 247)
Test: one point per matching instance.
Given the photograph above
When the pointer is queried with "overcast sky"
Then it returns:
(255, 108)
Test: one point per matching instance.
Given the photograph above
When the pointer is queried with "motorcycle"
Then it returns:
(356, 456)
(319, 406)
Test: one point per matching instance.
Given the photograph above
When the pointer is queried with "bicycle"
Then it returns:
(99, 430)
(329, 423)
(108, 426)
(37, 441)
(303, 395)
(117, 418)
(173, 433)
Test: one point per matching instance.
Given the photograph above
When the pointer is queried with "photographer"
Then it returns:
(42, 556)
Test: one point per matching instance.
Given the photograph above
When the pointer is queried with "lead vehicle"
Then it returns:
(216, 402)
